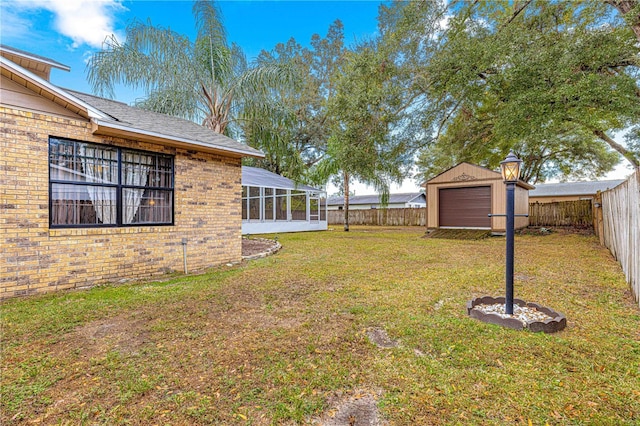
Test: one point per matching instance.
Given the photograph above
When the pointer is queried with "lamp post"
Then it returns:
(510, 173)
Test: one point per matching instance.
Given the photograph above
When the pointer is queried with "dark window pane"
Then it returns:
(323, 209)
(146, 206)
(299, 207)
(136, 168)
(83, 162)
(254, 208)
(244, 209)
(134, 195)
(254, 191)
(281, 208)
(100, 165)
(82, 205)
(268, 208)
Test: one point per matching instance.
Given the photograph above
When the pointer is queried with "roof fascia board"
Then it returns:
(56, 91)
(101, 127)
(32, 57)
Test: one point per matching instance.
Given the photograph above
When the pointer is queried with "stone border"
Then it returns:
(556, 323)
(269, 252)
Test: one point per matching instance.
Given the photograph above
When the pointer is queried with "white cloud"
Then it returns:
(14, 25)
(85, 22)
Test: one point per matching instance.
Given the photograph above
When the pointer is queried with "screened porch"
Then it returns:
(273, 204)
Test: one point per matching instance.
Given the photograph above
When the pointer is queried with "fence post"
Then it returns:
(598, 225)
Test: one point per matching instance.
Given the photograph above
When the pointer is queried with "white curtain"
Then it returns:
(135, 172)
(100, 166)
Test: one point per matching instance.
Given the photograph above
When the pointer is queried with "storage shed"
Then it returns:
(465, 195)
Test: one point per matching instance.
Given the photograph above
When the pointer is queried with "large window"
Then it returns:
(100, 185)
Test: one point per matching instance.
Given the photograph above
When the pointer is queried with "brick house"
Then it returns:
(95, 191)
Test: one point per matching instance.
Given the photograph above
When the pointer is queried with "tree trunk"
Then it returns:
(346, 201)
(629, 155)
(629, 10)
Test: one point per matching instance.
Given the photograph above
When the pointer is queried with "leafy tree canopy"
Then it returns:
(551, 80)
(294, 138)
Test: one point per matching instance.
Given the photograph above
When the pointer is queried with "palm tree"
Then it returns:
(205, 80)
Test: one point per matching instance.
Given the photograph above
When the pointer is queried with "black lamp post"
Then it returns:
(510, 173)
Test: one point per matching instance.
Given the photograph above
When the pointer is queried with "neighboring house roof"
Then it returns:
(375, 199)
(118, 119)
(572, 188)
(253, 176)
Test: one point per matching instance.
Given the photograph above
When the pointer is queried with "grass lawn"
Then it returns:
(276, 340)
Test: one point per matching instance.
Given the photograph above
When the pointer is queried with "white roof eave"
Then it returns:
(124, 128)
(56, 91)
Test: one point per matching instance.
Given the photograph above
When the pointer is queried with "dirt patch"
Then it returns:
(122, 334)
(561, 230)
(459, 234)
(258, 247)
(358, 409)
(380, 338)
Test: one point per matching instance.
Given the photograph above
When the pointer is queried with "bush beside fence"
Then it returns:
(619, 227)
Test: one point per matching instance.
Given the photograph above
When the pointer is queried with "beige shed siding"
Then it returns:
(35, 258)
(14, 94)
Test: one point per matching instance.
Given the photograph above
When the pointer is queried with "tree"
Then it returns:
(365, 142)
(294, 138)
(551, 80)
(205, 80)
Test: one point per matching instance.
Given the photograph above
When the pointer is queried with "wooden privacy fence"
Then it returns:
(618, 226)
(382, 217)
(563, 213)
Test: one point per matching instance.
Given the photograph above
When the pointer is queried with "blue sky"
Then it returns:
(69, 31)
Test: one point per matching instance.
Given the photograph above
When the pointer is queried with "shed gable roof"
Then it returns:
(465, 172)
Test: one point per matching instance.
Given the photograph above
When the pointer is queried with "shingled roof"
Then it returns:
(253, 176)
(161, 125)
(113, 118)
(572, 188)
(375, 199)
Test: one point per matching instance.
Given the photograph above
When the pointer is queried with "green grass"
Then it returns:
(271, 341)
